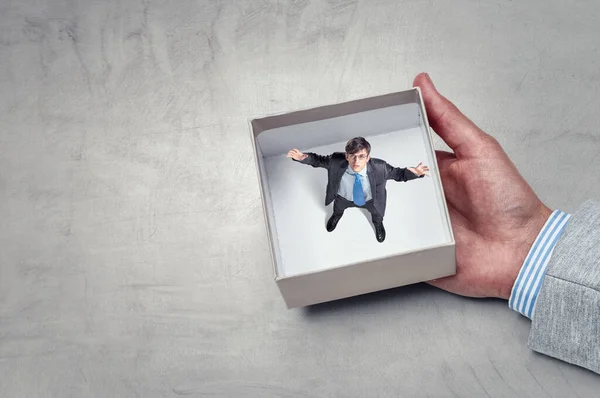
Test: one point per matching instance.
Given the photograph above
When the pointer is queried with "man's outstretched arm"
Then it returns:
(405, 173)
(309, 158)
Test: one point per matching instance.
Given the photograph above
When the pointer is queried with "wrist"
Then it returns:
(531, 275)
(527, 235)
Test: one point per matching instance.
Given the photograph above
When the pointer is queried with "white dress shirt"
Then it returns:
(346, 189)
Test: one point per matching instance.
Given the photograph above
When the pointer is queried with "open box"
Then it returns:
(312, 265)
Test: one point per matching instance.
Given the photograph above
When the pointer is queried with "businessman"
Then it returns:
(357, 180)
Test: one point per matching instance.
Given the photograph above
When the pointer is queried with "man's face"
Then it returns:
(358, 160)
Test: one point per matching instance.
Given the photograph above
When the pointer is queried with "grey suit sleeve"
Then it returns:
(566, 319)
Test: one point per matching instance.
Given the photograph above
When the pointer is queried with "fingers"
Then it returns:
(293, 153)
(422, 170)
(458, 131)
(449, 284)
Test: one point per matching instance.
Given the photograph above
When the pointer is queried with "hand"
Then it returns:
(495, 214)
(296, 154)
(420, 169)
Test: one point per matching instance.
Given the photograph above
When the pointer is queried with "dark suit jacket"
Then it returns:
(378, 171)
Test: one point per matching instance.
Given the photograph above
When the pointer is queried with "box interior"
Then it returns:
(294, 193)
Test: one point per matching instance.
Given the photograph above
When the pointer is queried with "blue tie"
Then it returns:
(359, 195)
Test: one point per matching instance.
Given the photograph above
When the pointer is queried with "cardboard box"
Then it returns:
(312, 265)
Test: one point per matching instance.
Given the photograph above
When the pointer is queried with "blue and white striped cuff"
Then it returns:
(529, 281)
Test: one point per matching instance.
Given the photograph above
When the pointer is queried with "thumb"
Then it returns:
(448, 284)
(457, 130)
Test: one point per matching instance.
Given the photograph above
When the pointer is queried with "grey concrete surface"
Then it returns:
(133, 255)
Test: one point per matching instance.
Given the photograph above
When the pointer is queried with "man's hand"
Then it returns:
(420, 169)
(495, 214)
(296, 154)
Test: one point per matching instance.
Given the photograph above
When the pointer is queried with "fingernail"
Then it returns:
(429, 78)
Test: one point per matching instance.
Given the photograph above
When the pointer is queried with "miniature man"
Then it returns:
(357, 180)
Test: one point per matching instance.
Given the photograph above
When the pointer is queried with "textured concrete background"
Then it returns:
(133, 255)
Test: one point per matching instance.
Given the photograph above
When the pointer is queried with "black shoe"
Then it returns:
(379, 232)
(332, 222)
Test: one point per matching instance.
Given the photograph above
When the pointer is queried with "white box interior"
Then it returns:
(295, 193)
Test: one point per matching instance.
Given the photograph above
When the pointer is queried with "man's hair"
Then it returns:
(356, 144)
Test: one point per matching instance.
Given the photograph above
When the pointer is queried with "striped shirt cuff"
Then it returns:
(529, 281)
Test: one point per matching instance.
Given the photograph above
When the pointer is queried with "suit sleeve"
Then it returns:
(399, 173)
(316, 160)
(566, 318)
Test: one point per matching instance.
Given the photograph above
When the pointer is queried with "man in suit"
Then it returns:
(357, 180)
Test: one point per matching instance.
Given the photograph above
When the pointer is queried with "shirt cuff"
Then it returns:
(529, 281)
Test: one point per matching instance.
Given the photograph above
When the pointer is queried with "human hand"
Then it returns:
(296, 154)
(420, 169)
(495, 214)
